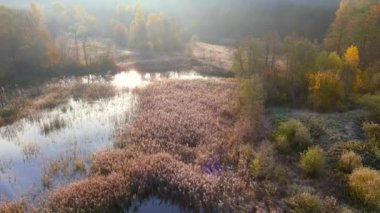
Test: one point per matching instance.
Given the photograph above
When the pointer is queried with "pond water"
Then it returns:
(54, 148)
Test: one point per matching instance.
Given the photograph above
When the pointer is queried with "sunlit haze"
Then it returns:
(141, 106)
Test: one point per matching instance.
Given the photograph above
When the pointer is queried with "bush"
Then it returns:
(262, 162)
(372, 104)
(364, 186)
(13, 207)
(326, 91)
(371, 77)
(369, 154)
(372, 132)
(350, 161)
(285, 88)
(312, 161)
(305, 202)
(255, 167)
(292, 136)
(276, 85)
(330, 204)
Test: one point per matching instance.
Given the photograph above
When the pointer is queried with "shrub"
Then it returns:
(371, 77)
(312, 161)
(276, 85)
(79, 166)
(255, 168)
(372, 132)
(292, 136)
(326, 91)
(285, 88)
(364, 186)
(305, 202)
(370, 155)
(46, 181)
(330, 204)
(349, 161)
(13, 207)
(251, 97)
(262, 165)
(280, 175)
(372, 104)
(250, 92)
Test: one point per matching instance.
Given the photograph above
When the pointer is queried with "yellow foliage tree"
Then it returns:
(351, 57)
(352, 60)
(326, 91)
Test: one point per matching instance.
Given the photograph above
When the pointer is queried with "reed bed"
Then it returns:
(151, 174)
(184, 118)
(176, 149)
(50, 96)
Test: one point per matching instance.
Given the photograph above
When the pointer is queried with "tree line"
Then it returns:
(329, 76)
(67, 39)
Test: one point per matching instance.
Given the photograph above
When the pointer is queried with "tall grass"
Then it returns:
(175, 149)
(153, 174)
(50, 96)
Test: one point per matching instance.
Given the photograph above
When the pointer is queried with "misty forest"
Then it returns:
(189, 106)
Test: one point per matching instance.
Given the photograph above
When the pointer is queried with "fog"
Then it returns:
(221, 20)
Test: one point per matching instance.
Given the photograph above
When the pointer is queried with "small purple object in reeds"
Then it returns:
(212, 167)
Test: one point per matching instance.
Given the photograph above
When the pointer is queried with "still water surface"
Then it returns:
(32, 159)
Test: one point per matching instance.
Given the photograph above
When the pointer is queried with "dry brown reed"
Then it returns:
(175, 149)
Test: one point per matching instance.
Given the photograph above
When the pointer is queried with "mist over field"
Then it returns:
(227, 19)
(189, 106)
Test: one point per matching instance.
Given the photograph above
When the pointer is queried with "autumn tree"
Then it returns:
(351, 74)
(137, 30)
(57, 19)
(82, 27)
(356, 22)
(25, 45)
(329, 61)
(162, 33)
(336, 39)
(247, 59)
(272, 46)
(351, 57)
(300, 55)
(371, 78)
(326, 91)
(120, 34)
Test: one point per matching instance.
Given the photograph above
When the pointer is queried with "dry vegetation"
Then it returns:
(48, 97)
(183, 146)
(12, 207)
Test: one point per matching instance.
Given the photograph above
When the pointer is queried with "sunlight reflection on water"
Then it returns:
(133, 79)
